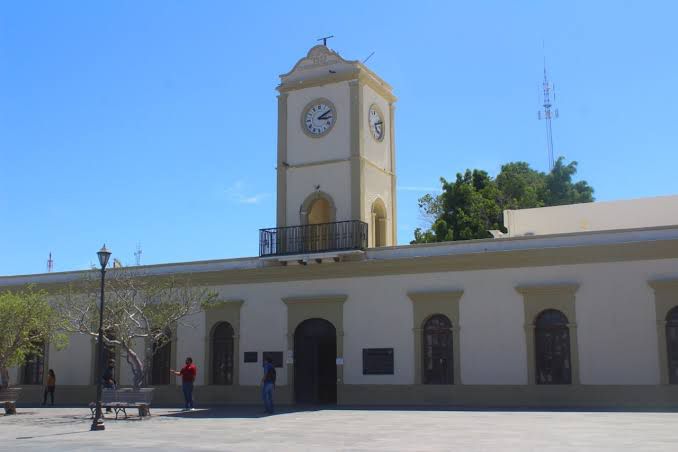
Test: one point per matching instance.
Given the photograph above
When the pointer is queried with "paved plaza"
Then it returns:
(246, 429)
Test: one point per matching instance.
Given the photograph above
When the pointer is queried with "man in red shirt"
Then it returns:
(187, 374)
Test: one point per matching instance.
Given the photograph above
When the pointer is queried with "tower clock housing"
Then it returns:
(336, 150)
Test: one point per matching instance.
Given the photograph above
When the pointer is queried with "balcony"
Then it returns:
(313, 238)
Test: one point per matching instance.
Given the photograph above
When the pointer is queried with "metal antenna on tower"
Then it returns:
(137, 254)
(50, 263)
(548, 114)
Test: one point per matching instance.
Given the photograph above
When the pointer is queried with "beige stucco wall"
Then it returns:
(334, 179)
(378, 168)
(263, 326)
(596, 216)
(378, 152)
(378, 185)
(13, 375)
(615, 314)
(191, 342)
(336, 144)
(72, 365)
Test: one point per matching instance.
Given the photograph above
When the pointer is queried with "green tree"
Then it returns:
(559, 187)
(28, 322)
(474, 203)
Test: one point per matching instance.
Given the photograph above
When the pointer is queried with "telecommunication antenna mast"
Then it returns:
(548, 114)
(50, 263)
(137, 254)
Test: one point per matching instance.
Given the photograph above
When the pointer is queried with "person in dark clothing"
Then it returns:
(268, 385)
(187, 374)
(49, 388)
(108, 378)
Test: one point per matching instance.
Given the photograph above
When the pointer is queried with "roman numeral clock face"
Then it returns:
(318, 118)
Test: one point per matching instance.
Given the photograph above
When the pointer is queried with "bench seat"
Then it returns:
(120, 399)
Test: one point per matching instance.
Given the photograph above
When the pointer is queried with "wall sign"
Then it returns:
(377, 361)
(251, 357)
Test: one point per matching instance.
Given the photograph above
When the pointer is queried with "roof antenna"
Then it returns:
(368, 57)
(324, 39)
(548, 113)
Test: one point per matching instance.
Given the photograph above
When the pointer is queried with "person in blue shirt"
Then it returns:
(268, 385)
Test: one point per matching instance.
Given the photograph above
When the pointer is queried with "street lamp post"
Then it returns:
(98, 421)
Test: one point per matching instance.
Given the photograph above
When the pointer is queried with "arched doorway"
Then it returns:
(316, 213)
(315, 368)
(320, 212)
(317, 208)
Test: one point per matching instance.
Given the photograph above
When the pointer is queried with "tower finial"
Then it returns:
(324, 39)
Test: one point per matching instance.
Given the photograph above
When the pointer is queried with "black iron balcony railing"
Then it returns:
(313, 238)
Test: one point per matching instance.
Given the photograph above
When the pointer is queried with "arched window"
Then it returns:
(552, 344)
(378, 223)
(222, 354)
(438, 365)
(161, 362)
(32, 371)
(672, 344)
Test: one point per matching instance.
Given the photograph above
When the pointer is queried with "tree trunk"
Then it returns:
(148, 362)
(137, 366)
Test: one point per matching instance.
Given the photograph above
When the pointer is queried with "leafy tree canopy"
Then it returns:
(474, 203)
(27, 323)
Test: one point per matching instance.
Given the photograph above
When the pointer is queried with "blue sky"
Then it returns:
(154, 122)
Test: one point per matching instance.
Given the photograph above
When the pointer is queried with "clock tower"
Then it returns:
(336, 152)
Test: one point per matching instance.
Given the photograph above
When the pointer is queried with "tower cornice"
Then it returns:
(323, 66)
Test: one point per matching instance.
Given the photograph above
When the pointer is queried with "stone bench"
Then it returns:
(120, 399)
(8, 397)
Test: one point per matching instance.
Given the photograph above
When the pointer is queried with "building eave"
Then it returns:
(560, 249)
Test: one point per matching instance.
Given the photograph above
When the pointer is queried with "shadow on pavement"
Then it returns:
(52, 434)
(233, 411)
(254, 411)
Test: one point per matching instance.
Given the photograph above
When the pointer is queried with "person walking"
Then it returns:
(187, 374)
(108, 378)
(268, 384)
(49, 389)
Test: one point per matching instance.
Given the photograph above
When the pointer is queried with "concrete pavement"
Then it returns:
(247, 429)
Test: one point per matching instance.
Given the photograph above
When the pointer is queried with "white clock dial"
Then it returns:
(318, 118)
(376, 121)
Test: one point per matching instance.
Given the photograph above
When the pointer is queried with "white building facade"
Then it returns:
(587, 319)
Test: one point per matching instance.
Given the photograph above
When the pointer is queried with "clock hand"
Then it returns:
(378, 123)
(324, 115)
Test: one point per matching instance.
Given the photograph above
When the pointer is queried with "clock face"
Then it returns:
(318, 117)
(376, 121)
